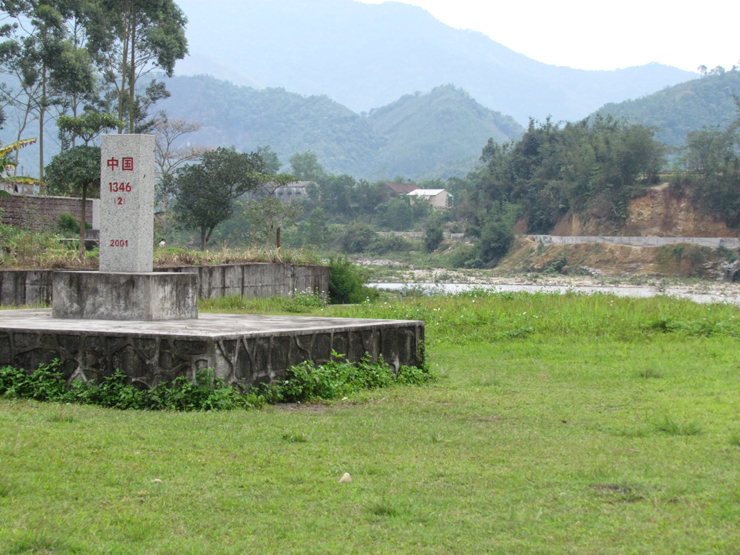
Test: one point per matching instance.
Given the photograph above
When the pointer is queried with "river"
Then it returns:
(682, 292)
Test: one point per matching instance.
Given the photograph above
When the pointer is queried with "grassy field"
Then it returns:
(557, 425)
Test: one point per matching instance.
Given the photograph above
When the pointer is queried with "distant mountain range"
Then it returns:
(354, 71)
(414, 135)
(677, 110)
(368, 55)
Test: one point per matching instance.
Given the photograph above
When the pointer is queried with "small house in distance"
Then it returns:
(402, 188)
(17, 188)
(439, 199)
(295, 190)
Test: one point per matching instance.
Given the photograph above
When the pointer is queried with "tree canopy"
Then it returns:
(76, 171)
(129, 38)
(554, 169)
(206, 191)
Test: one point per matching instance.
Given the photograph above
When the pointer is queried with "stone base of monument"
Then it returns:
(242, 349)
(152, 296)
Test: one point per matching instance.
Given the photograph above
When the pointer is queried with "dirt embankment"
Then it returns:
(658, 213)
(681, 260)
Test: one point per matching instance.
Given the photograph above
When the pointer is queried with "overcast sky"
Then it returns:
(592, 34)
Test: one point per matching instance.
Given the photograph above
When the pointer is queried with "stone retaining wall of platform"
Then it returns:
(152, 353)
(34, 287)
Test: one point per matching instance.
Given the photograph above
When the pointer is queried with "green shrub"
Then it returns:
(464, 257)
(347, 284)
(68, 225)
(397, 214)
(339, 378)
(557, 265)
(304, 382)
(356, 238)
(48, 384)
(433, 235)
(393, 243)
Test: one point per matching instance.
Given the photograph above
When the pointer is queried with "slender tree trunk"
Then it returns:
(42, 113)
(74, 114)
(124, 61)
(132, 80)
(21, 129)
(83, 219)
(203, 240)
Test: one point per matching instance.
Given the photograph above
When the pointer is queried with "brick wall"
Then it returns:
(38, 212)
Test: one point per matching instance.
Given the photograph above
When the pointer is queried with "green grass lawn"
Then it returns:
(556, 425)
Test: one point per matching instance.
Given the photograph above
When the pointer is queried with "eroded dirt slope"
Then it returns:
(658, 213)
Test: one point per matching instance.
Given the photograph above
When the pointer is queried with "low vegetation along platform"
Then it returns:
(556, 424)
(241, 349)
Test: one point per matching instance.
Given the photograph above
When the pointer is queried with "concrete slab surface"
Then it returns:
(207, 325)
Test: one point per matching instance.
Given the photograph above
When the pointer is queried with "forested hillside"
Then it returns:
(247, 118)
(424, 132)
(414, 135)
(678, 110)
(368, 55)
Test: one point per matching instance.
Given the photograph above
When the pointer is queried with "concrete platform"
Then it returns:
(242, 349)
(151, 296)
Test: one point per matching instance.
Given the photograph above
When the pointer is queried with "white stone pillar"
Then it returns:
(127, 203)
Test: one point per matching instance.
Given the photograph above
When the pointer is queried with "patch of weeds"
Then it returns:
(36, 543)
(674, 428)
(62, 416)
(650, 373)
(304, 302)
(385, 507)
(557, 265)
(701, 328)
(339, 378)
(518, 333)
(617, 493)
(295, 438)
(735, 439)
(631, 432)
(488, 382)
(304, 382)
(6, 488)
(207, 392)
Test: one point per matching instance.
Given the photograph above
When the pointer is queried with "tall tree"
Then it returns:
(270, 157)
(89, 125)
(267, 214)
(48, 64)
(206, 191)
(132, 37)
(305, 166)
(169, 154)
(9, 51)
(78, 82)
(76, 171)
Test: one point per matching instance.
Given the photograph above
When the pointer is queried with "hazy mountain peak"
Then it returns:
(368, 55)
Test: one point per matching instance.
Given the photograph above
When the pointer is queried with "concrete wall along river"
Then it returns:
(34, 287)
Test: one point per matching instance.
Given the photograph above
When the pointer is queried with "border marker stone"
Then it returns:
(127, 203)
(125, 287)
